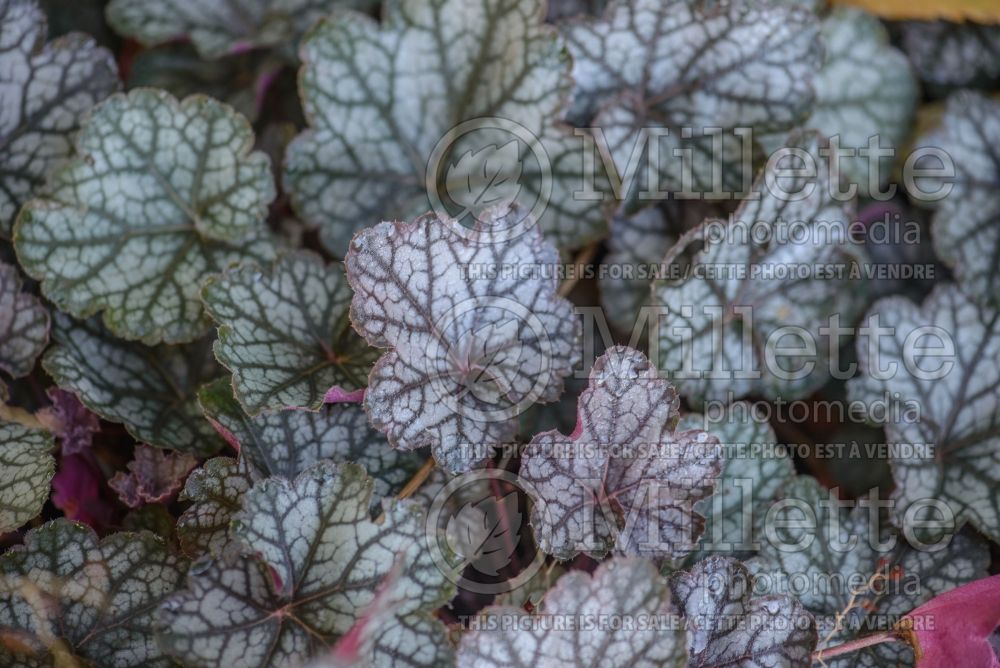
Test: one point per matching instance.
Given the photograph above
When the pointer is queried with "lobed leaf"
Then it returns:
(216, 491)
(48, 89)
(469, 350)
(624, 480)
(153, 476)
(149, 390)
(160, 194)
(286, 335)
(26, 469)
(24, 325)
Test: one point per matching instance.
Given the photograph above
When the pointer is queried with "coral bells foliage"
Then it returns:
(498, 333)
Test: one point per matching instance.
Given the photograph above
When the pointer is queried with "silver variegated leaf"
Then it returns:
(321, 562)
(221, 27)
(26, 469)
(458, 134)
(853, 578)
(285, 333)
(68, 599)
(687, 67)
(855, 101)
(966, 224)
(936, 368)
(24, 325)
(755, 470)
(472, 343)
(152, 391)
(625, 480)
(949, 54)
(581, 623)
(744, 301)
(727, 626)
(161, 194)
(216, 491)
(47, 89)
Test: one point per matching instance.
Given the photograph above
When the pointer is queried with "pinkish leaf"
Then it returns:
(954, 629)
(76, 490)
(154, 476)
(70, 421)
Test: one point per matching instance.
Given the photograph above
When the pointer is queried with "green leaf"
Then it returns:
(161, 194)
(625, 479)
(26, 469)
(65, 597)
(866, 580)
(48, 88)
(216, 490)
(855, 100)
(729, 627)
(620, 588)
(681, 64)
(285, 334)
(468, 353)
(723, 333)
(149, 390)
(321, 562)
(220, 27)
(945, 404)
(371, 139)
(24, 325)
(966, 225)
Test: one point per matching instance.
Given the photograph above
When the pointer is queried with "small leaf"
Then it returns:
(161, 194)
(952, 55)
(467, 354)
(48, 89)
(952, 417)
(216, 491)
(77, 491)
(24, 325)
(149, 390)
(26, 469)
(624, 480)
(67, 597)
(966, 225)
(285, 334)
(322, 560)
(70, 421)
(620, 589)
(154, 476)
(480, 124)
(218, 27)
(729, 627)
(855, 101)
(478, 534)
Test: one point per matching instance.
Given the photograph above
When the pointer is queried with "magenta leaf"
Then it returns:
(154, 476)
(954, 629)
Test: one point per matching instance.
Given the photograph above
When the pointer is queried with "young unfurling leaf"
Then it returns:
(624, 480)
(24, 325)
(26, 468)
(68, 599)
(471, 346)
(153, 476)
(946, 403)
(285, 333)
(620, 589)
(321, 561)
(160, 195)
(47, 90)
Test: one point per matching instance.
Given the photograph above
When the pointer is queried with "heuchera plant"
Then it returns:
(487, 333)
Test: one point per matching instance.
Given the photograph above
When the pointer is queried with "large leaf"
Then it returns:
(321, 562)
(285, 334)
(853, 580)
(947, 54)
(24, 325)
(688, 67)
(470, 349)
(729, 627)
(624, 479)
(489, 70)
(161, 194)
(66, 598)
(220, 27)
(26, 469)
(966, 225)
(946, 404)
(855, 101)
(740, 296)
(47, 89)
(568, 630)
(149, 390)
